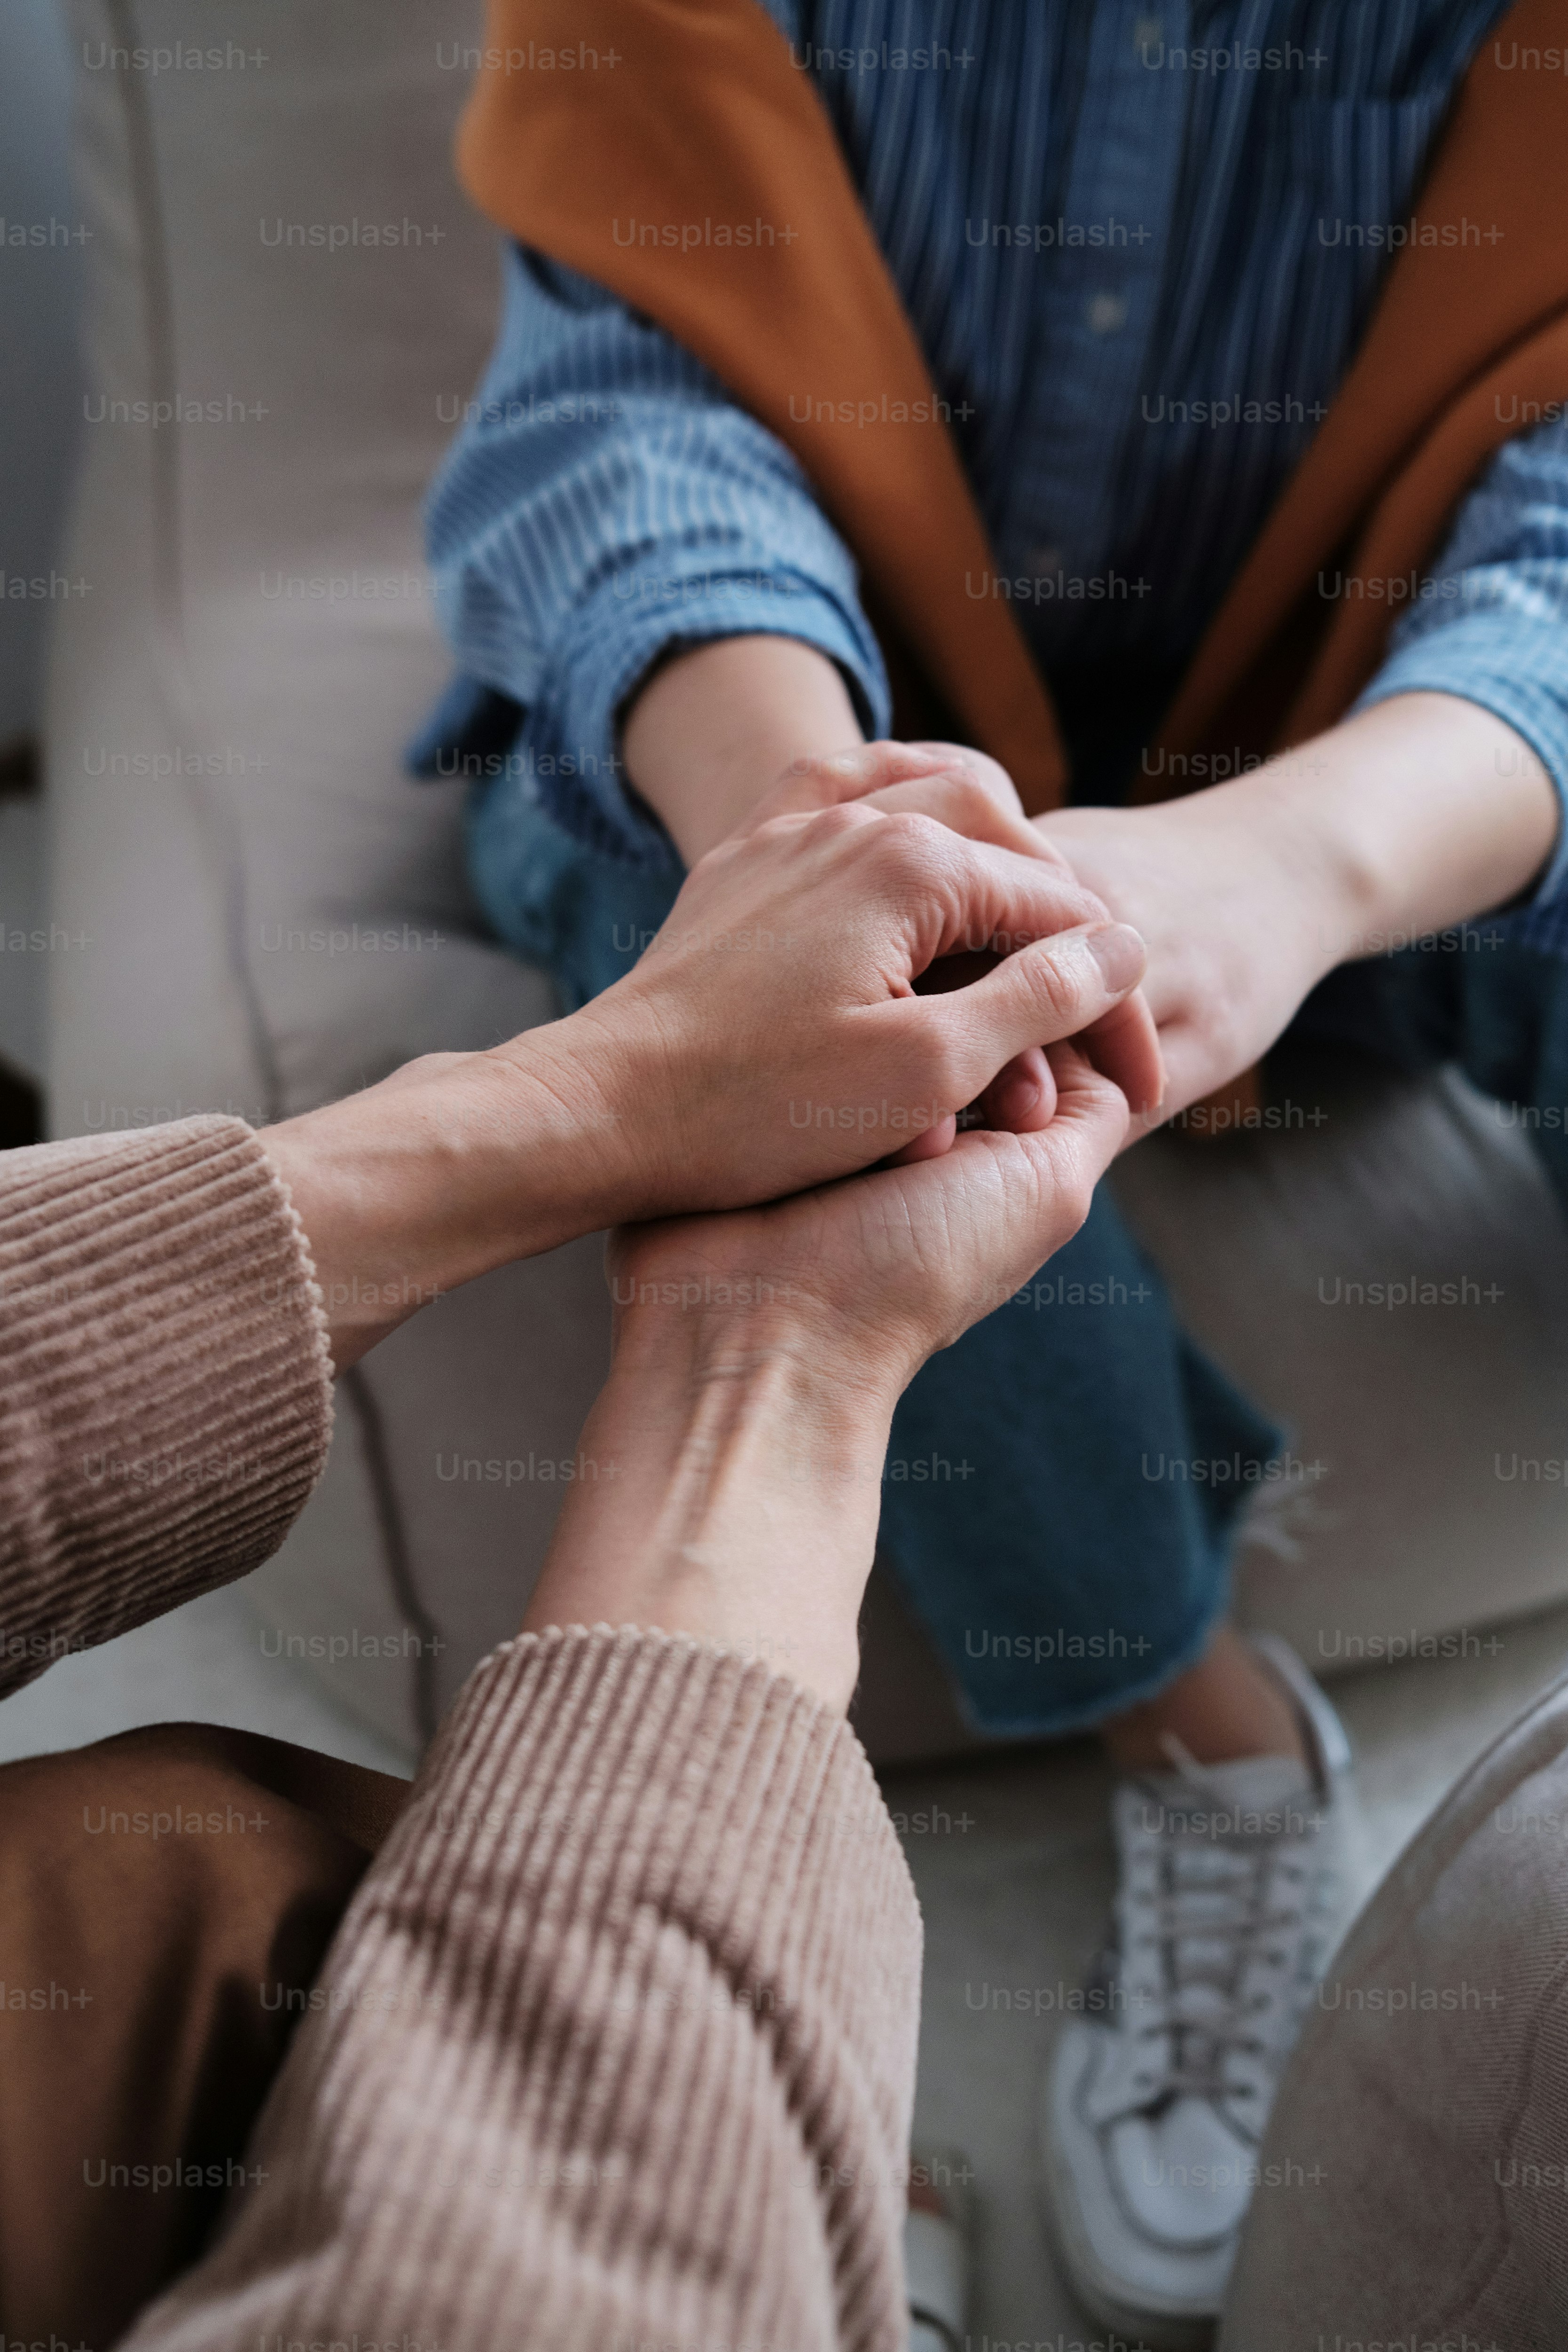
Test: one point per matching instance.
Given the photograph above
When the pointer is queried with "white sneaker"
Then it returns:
(938, 2227)
(1232, 1894)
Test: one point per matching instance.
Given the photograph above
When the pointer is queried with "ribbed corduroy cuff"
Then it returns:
(165, 1389)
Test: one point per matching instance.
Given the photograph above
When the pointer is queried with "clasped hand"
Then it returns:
(773, 1038)
(867, 871)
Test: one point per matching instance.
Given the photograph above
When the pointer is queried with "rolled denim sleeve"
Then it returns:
(603, 504)
(1490, 624)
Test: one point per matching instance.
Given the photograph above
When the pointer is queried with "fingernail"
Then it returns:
(1119, 952)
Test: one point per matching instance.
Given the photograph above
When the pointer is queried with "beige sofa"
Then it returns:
(275, 912)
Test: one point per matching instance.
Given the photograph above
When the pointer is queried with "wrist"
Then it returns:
(1408, 816)
(711, 729)
(452, 1166)
(731, 1489)
(765, 1339)
(1322, 873)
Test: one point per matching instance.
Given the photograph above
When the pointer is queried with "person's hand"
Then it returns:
(770, 1038)
(972, 794)
(1404, 819)
(866, 1278)
(737, 1450)
(775, 1032)
(1238, 929)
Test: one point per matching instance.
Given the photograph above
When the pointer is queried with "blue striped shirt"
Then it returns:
(1139, 241)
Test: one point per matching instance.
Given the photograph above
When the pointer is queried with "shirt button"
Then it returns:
(1147, 31)
(1106, 314)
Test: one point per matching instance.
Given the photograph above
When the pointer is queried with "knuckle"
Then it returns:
(1075, 1196)
(846, 816)
(826, 825)
(1057, 982)
(937, 1070)
(781, 825)
(995, 782)
(914, 845)
(972, 805)
(811, 767)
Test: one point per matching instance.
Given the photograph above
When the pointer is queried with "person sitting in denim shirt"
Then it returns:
(655, 615)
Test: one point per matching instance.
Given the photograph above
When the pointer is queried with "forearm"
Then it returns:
(730, 1490)
(714, 729)
(1407, 818)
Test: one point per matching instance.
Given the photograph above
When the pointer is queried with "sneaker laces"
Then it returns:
(1225, 1919)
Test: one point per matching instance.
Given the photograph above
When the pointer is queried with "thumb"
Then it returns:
(1075, 1151)
(1052, 989)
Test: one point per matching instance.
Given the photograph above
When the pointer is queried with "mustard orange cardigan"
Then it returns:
(705, 118)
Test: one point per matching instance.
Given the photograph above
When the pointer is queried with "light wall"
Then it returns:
(40, 396)
(40, 409)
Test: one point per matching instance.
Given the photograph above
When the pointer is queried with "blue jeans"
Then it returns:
(1062, 1486)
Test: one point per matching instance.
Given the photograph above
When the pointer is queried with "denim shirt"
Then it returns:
(1139, 241)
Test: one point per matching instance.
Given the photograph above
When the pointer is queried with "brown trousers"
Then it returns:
(166, 1898)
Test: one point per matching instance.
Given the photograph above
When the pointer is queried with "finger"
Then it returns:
(1050, 989)
(849, 775)
(1014, 1225)
(1125, 1044)
(1088, 1130)
(960, 801)
(933, 1143)
(1022, 1097)
(1187, 1057)
(977, 763)
(1071, 1155)
(951, 894)
(977, 767)
(1082, 1091)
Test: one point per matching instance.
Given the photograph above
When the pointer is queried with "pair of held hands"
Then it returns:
(796, 1023)
(765, 1111)
(912, 945)
(773, 1039)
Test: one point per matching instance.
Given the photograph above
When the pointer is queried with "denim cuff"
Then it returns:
(623, 632)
